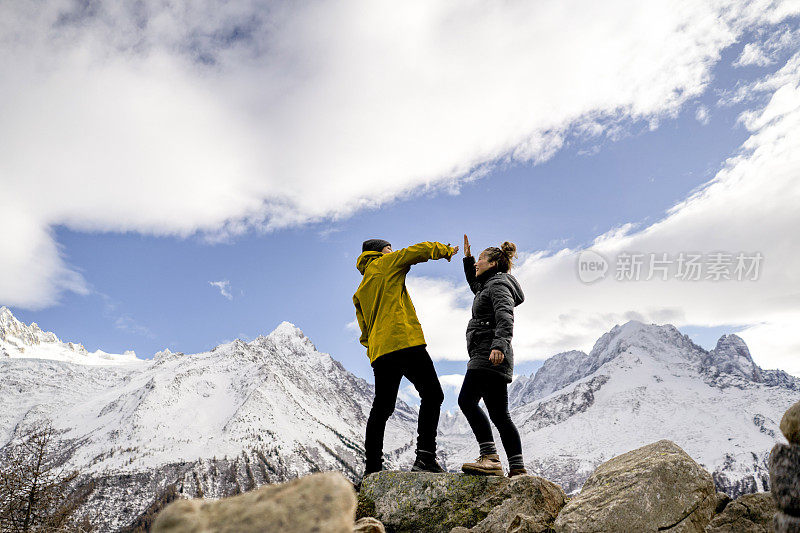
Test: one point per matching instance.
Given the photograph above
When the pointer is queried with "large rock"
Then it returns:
(784, 477)
(319, 502)
(751, 513)
(655, 488)
(722, 502)
(433, 503)
(790, 424)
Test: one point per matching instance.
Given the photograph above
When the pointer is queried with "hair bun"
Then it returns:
(510, 249)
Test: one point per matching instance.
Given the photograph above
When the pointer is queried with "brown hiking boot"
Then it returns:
(517, 472)
(485, 465)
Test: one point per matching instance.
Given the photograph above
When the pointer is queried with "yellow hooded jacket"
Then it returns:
(385, 314)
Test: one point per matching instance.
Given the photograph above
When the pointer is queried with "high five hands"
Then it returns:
(455, 251)
(467, 251)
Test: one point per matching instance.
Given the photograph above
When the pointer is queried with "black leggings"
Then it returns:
(415, 364)
(493, 388)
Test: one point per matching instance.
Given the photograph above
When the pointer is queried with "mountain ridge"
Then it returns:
(247, 413)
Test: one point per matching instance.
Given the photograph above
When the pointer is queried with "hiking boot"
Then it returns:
(517, 472)
(485, 465)
(426, 462)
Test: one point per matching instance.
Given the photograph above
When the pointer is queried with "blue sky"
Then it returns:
(120, 254)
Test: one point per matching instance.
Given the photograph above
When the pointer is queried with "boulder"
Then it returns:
(420, 501)
(722, 502)
(368, 525)
(654, 488)
(784, 477)
(750, 513)
(318, 502)
(532, 505)
(790, 424)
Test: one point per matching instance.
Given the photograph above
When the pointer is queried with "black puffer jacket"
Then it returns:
(492, 323)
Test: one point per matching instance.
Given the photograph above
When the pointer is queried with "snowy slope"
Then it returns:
(203, 419)
(245, 414)
(642, 383)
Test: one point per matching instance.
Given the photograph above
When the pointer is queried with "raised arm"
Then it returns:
(419, 253)
(469, 272)
(469, 266)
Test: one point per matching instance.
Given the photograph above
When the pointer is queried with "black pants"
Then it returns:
(493, 388)
(415, 364)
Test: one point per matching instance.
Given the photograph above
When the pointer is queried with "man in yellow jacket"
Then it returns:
(391, 332)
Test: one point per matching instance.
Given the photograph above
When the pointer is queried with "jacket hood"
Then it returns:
(365, 259)
(511, 282)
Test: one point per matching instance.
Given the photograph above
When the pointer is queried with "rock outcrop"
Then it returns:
(784, 474)
(414, 502)
(318, 502)
(654, 488)
(751, 513)
(790, 424)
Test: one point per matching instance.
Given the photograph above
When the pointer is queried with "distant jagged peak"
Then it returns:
(635, 329)
(656, 339)
(13, 330)
(287, 334)
(5, 314)
(7, 318)
(732, 356)
(287, 329)
(162, 356)
(733, 344)
(18, 340)
(660, 342)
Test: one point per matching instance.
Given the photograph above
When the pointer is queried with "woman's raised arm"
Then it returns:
(469, 266)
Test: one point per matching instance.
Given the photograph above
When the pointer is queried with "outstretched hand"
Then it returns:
(455, 251)
(467, 251)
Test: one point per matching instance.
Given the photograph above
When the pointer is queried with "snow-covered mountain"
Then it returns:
(639, 384)
(215, 423)
(245, 414)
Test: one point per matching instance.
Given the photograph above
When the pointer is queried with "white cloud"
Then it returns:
(218, 117)
(409, 395)
(440, 306)
(452, 381)
(750, 206)
(753, 54)
(702, 115)
(765, 52)
(224, 287)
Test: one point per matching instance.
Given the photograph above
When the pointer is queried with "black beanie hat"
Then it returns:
(374, 245)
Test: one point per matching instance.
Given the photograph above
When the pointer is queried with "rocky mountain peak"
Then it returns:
(16, 332)
(731, 356)
(288, 335)
(7, 320)
(734, 346)
(665, 343)
(635, 333)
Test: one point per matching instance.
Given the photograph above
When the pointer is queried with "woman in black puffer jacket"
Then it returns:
(491, 359)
